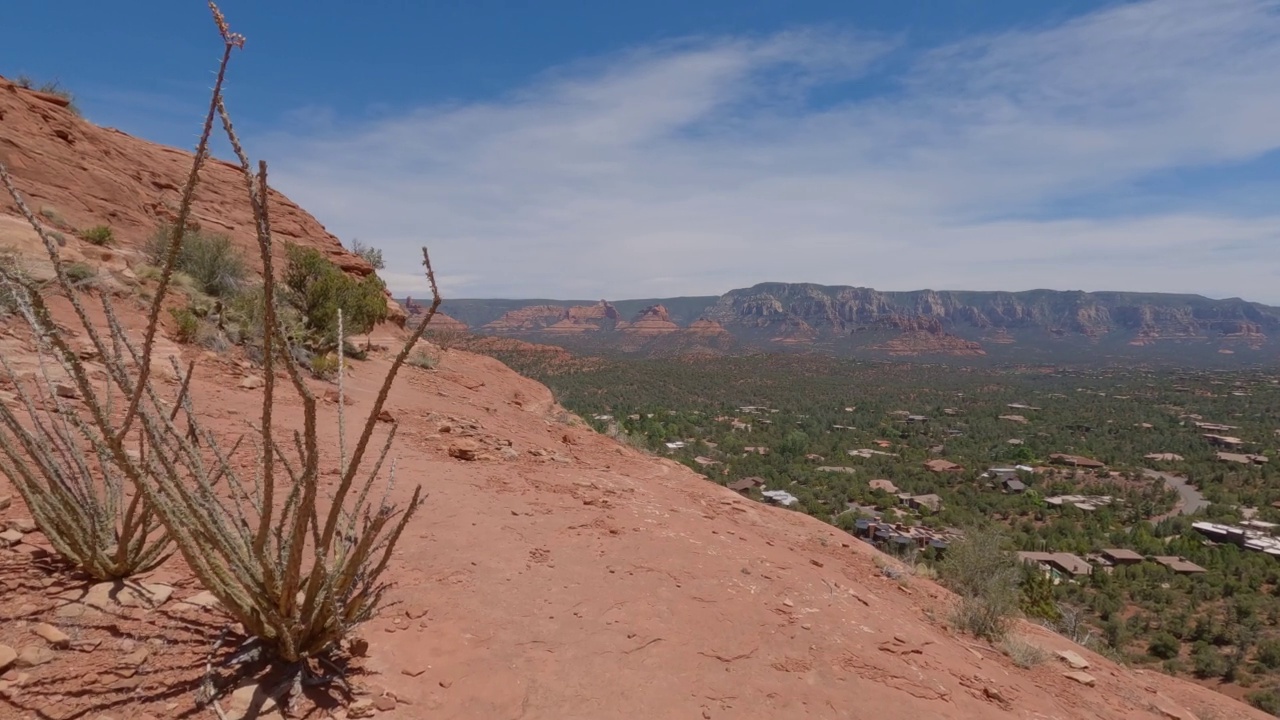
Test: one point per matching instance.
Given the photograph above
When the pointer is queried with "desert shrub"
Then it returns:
(371, 255)
(1266, 701)
(52, 216)
(1023, 654)
(981, 570)
(50, 87)
(318, 290)
(421, 358)
(188, 324)
(244, 315)
(98, 235)
(79, 272)
(210, 259)
(61, 463)
(324, 366)
(1164, 646)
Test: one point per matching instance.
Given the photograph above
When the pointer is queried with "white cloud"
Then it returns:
(696, 166)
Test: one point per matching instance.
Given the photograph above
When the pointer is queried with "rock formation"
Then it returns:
(78, 175)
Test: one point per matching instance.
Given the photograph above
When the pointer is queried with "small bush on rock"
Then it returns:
(98, 235)
(210, 259)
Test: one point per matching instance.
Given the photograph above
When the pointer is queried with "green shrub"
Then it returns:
(209, 258)
(188, 324)
(981, 570)
(98, 235)
(79, 272)
(1266, 701)
(371, 255)
(324, 366)
(317, 289)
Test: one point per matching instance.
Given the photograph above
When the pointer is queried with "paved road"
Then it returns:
(1189, 499)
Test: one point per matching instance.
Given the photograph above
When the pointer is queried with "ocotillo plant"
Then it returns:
(297, 567)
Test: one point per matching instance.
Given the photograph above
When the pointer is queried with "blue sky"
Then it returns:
(575, 149)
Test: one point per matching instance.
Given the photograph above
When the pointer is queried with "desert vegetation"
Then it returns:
(118, 486)
(806, 413)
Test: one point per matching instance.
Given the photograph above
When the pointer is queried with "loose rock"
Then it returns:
(7, 656)
(252, 382)
(1073, 659)
(361, 709)
(465, 450)
(1083, 678)
(33, 655)
(22, 525)
(52, 635)
(10, 537)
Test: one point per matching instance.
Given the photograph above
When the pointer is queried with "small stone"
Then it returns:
(7, 656)
(33, 655)
(136, 658)
(204, 600)
(70, 610)
(253, 382)
(65, 391)
(413, 671)
(1083, 678)
(1073, 659)
(52, 635)
(446, 684)
(90, 679)
(85, 645)
(414, 614)
(384, 703)
(22, 525)
(788, 603)
(806, 626)
(10, 537)
(465, 450)
(361, 709)
(5, 501)
(106, 595)
(386, 417)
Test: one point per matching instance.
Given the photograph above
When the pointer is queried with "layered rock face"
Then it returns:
(653, 320)
(797, 316)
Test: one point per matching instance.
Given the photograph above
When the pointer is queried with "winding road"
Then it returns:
(1189, 499)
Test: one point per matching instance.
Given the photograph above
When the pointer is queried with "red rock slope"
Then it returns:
(87, 175)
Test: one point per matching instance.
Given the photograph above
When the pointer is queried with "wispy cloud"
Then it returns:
(695, 166)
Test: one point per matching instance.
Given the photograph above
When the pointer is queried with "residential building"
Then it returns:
(746, 485)
(1121, 556)
(1075, 461)
(942, 466)
(1179, 565)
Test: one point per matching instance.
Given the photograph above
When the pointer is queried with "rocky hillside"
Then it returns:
(1037, 325)
(78, 175)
